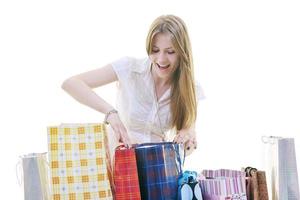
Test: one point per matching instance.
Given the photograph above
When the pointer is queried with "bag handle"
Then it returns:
(181, 162)
(270, 139)
(123, 146)
(19, 172)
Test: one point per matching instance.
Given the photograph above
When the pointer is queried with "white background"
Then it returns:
(246, 53)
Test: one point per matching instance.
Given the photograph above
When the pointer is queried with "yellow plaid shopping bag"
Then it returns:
(78, 162)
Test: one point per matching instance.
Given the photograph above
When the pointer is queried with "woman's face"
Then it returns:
(163, 56)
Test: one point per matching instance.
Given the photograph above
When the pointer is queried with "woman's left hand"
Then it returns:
(190, 146)
(188, 138)
(185, 135)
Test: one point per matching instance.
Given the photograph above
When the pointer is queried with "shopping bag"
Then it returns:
(256, 185)
(125, 174)
(159, 166)
(262, 185)
(78, 162)
(223, 184)
(189, 187)
(281, 164)
(35, 176)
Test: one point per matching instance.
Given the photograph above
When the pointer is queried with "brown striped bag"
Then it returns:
(256, 184)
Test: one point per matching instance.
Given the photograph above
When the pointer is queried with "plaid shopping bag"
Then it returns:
(159, 166)
(77, 158)
(126, 180)
(223, 184)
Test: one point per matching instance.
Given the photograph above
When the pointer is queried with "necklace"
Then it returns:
(157, 109)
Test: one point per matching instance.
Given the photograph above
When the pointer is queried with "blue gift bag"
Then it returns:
(159, 166)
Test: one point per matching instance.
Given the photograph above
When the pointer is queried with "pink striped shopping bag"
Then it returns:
(223, 184)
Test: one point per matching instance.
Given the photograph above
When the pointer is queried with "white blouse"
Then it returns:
(146, 119)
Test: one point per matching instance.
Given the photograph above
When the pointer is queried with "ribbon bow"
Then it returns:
(187, 177)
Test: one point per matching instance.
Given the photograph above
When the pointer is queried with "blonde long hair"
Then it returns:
(183, 97)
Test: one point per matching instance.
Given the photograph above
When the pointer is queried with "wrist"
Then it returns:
(112, 111)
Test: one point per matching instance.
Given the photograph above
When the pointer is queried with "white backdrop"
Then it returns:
(247, 58)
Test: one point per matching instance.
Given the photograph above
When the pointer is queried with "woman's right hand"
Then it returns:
(119, 129)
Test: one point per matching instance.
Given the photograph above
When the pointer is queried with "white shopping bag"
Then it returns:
(35, 176)
(281, 168)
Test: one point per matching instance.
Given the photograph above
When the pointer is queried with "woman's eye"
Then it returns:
(168, 52)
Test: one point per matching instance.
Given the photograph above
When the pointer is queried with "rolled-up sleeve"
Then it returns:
(122, 67)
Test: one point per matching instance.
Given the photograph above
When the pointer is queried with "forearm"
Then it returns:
(84, 94)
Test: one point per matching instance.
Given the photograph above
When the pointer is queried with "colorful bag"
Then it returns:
(77, 158)
(223, 184)
(189, 187)
(159, 166)
(35, 176)
(282, 175)
(256, 184)
(126, 180)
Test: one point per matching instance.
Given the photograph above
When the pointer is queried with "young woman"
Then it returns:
(157, 96)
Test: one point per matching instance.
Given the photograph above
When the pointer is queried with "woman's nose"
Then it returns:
(162, 58)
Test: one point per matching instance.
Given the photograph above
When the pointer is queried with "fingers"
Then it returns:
(119, 129)
(189, 145)
(121, 134)
(117, 134)
(189, 141)
(194, 141)
(181, 138)
(124, 137)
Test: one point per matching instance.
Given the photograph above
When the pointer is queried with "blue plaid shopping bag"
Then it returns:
(159, 167)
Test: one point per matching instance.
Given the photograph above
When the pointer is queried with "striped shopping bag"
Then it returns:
(223, 184)
(77, 158)
(256, 184)
(126, 180)
(159, 166)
